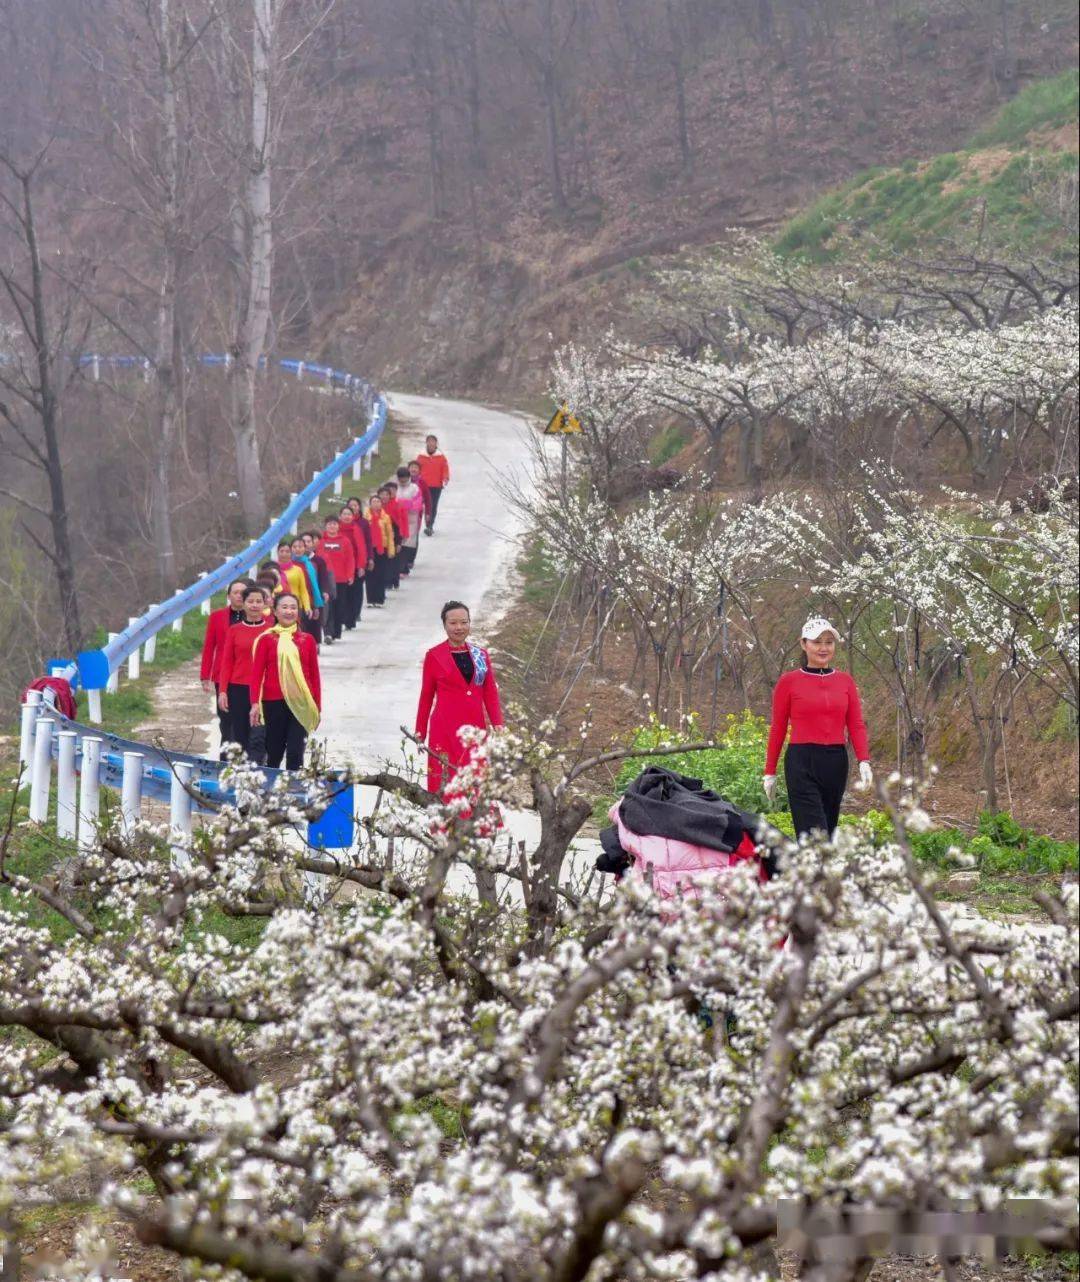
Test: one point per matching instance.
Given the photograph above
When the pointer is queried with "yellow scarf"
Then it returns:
(294, 684)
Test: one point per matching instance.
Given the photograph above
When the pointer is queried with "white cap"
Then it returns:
(815, 626)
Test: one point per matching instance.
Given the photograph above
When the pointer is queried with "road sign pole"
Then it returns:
(562, 441)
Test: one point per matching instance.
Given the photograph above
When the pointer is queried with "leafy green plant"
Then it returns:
(733, 768)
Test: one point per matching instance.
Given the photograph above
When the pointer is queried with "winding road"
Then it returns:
(371, 679)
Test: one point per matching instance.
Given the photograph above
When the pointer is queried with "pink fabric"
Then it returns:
(678, 867)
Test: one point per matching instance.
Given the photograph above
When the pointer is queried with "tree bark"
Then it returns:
(253, 228)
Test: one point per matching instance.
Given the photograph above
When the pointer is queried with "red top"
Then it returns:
(264, 667)
(397, 513)
(819, 708)
(235, 665)
(434, 468)
(456, 702)
(339, 553)
(217, 625)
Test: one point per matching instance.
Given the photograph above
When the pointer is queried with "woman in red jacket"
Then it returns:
(820, 704)
(234, 677)
(458, 688)
(285, 691)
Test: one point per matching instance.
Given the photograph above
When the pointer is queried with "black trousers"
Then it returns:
(240, 714)
(408, 557)
(330, 615)
(224, 720)
(816, 776)
(356, 599)
(375, 581)
(436, 494)
(312, 626)
(285, 736)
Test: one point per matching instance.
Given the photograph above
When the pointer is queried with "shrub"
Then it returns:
(733, 768)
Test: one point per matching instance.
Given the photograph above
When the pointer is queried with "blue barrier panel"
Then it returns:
(334, 829)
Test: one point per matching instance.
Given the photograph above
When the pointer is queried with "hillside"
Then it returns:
(1013, 189)
(476, 298)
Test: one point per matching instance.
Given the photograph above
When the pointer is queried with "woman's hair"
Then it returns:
(403, 472)
(454, 605)
(286, 596)
(244, 583)
(255, 587)
(269, 565)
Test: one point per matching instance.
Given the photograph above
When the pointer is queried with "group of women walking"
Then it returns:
(261, 656)
(261, 651)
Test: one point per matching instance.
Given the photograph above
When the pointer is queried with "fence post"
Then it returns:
(300, 371)
(375, 447)
(253, 568)
(26, 726)
(67, 815)
(150, 645)
(204, 606)
(113, 683)
(131, 790)
(134, 665)
(313, 506)
(180, 814)
(294, 529)
(89, 791)
(339, 478)
(95, 368)
(93, 707)
(41, 779)
(178, 622)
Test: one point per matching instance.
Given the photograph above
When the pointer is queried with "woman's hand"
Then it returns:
(866, 776)
(768, 785)
(256, 715)
(223, 701)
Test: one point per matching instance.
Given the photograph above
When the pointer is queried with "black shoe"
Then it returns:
(429, 531)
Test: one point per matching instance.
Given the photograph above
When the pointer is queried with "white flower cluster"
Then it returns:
(406, 1086)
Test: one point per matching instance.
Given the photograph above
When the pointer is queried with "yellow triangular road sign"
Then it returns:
(563, 423)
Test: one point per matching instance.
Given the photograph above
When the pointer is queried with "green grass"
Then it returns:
(1008, 205)
(668, 442)
(1046, 104)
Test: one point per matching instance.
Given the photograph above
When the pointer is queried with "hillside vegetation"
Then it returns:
(1014, 188)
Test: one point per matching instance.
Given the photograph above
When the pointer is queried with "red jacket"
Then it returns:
(363, 540)
(434, 468)
(447, 703)
(400, 517)
(819, 708)
(235, 666)
(217, 625)
(264, 682)
(339, 553)
(356, 542)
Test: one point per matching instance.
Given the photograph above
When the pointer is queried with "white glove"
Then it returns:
(866, 776)
(768, 782)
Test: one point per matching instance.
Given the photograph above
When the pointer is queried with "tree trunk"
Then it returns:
(257, 266)
(168, 355)
(551, 104)
(676, 38)
(62, 555)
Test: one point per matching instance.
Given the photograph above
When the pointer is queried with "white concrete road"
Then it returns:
(371, 679)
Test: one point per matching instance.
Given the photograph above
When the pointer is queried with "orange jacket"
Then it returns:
(434, 468)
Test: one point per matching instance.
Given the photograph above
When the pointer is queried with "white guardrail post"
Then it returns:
(358, 462)
(131, 790)
(113, 683)
(93, 707)
(313, 506)
(180, 814)
(178, 622)
(89, 791)
(26, 727)
(134, 664)
(150, 645)
(67, 813)
(294, 529)
(41, 779)
(340, 477)
(204, 606)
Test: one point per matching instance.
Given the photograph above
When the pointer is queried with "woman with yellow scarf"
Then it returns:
(286, 693)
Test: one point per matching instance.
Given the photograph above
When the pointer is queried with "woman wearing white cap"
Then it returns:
(820, 704)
